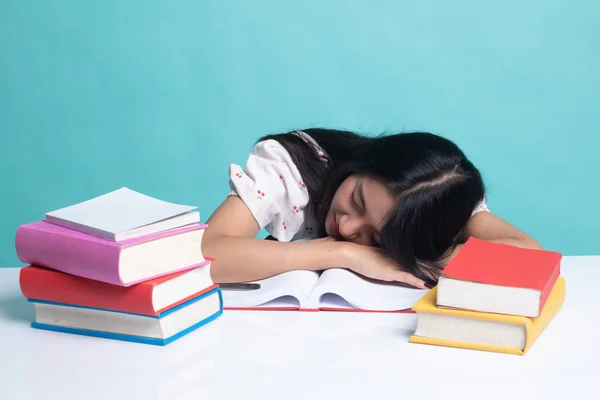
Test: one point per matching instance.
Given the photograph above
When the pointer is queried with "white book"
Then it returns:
(124, 214)
(332, 289)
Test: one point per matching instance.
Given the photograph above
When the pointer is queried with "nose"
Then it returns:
(352, 229)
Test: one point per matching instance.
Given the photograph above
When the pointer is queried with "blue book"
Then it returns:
(158, 330)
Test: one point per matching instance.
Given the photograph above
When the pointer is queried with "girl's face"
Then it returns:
(358, 209)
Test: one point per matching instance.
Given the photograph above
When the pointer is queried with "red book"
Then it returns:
(500, 278)
(148, 298)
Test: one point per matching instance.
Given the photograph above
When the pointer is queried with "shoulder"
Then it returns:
(270, 160)
(272, 188)
(268, 147)
(481, 206)
(299, 143)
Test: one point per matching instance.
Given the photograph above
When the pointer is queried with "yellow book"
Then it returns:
(483, 331)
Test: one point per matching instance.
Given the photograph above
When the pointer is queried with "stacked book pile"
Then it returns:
(492, 297)
(122, 265)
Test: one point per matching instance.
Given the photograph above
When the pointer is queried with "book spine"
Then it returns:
(467, 346)
(556, 299)
(93, 259)
(549, 286)
(48, 285)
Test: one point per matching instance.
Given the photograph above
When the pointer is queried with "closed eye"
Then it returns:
(355, 204)
(361, 204)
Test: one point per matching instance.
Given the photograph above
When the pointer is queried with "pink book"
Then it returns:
(125, 263)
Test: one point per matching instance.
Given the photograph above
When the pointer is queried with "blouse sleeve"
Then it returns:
(482, 206)
(272, 188)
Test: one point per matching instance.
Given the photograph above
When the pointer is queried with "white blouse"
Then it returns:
(273, 190)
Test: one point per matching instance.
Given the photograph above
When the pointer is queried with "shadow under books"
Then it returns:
(16, 308)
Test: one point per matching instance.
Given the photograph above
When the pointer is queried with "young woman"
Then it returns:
(392, 208)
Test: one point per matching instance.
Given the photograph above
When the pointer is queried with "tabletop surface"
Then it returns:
(292, 355)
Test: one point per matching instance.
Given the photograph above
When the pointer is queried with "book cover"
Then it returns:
(53, 286)
(534, 326)
(73, 252)
(123, 214)
(134, 338)
(505, 265)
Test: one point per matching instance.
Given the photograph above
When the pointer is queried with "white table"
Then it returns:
(291, 355)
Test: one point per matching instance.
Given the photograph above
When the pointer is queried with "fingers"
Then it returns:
(409, 278)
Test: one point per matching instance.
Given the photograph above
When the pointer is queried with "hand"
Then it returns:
(372, 262)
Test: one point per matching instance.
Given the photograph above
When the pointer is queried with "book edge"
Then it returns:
(125, 337)
(156, 316)
(468, 346)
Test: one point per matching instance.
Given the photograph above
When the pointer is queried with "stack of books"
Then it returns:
(122, 265)
(492, 297)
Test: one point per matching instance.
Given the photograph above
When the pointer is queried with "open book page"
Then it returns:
(334, 301)
(362, 293)
(287, 290)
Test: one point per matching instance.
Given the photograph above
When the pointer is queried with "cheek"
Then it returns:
(335, 202)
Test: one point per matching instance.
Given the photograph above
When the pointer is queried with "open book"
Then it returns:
(332, 290)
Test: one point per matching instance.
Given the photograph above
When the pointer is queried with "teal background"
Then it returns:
(161, 96)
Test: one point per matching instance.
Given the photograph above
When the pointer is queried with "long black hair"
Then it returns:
(436, 185)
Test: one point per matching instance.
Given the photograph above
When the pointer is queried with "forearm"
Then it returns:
(243, 259)
(489, 227)
(524, 242)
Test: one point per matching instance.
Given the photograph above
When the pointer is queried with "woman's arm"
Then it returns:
(487, 226)
(240, 257)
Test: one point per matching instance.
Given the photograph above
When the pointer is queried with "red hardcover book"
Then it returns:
(492, 277)
(148, 298)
